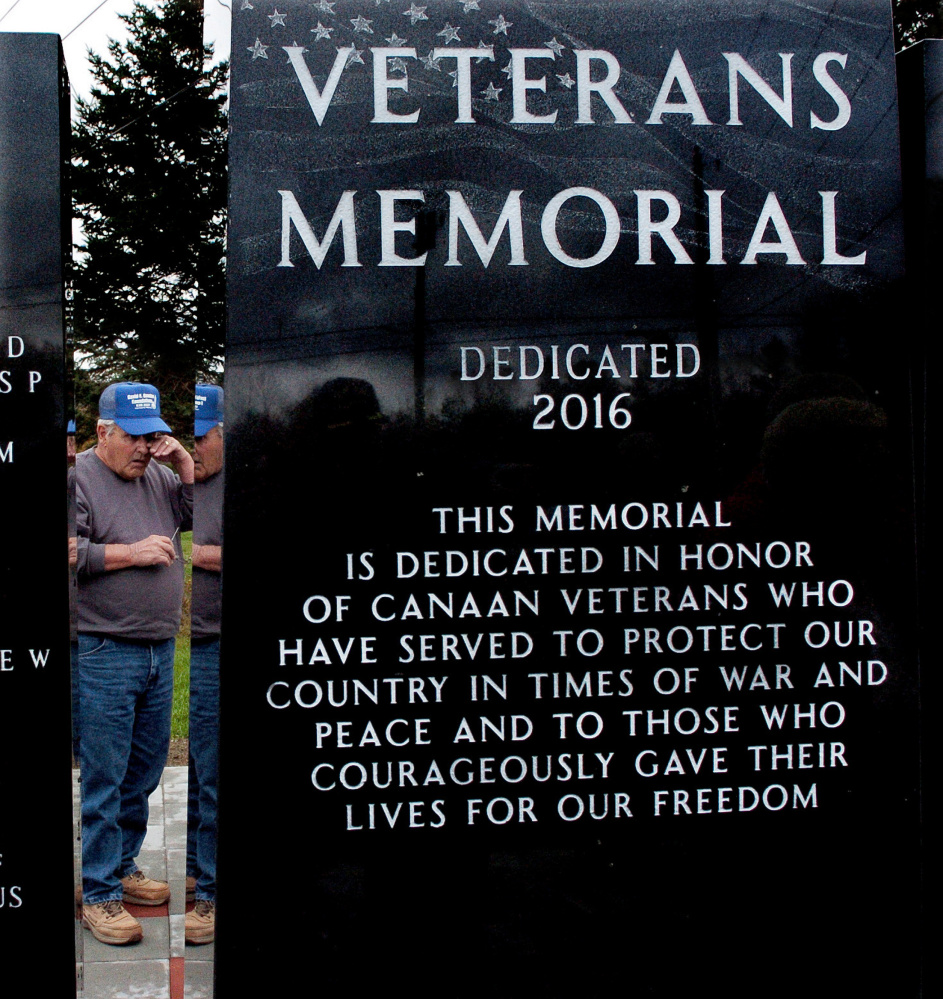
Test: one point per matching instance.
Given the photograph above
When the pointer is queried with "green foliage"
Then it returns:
(180, 713)
(149, 184)
(915, 20)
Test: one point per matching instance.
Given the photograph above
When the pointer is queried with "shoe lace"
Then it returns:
(205, 907)
(113, 907)
(138, 875)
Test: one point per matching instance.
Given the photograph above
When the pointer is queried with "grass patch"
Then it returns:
(180, 717)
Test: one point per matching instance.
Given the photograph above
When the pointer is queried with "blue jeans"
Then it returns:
(204, 762)
(125, 700)
(74, 672)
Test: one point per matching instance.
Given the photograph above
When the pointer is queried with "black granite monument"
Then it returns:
(920, 77)
(35, 797)
(568, 629)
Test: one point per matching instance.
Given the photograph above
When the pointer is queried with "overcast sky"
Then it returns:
(88, 24)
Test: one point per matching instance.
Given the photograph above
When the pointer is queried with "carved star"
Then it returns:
(354, 55)
(454, 74)
(555, 46)
(276, 18)
(430, 63)
(398, 65)
(509, 69)
(469, 5)
(566, 81)
(258, 50)
(325, 6)
(486, 52)
(321, 32)
(246, 5)
(394, 41)
(449, 33)
(415, 13)
(491, 94)
(361, 24)
(500, 25)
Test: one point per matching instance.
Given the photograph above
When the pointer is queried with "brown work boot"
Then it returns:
(142, 890)
(191, 888)
(199, 927)
(111, 923)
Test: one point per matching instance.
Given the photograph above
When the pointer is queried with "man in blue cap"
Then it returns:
(130, 510)
(200, 924)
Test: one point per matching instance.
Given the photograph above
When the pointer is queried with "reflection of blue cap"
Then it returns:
(208, 412)
(134, 406)
(70, 427)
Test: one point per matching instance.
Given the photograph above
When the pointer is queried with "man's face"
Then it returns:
(207, 454)
(126, 455)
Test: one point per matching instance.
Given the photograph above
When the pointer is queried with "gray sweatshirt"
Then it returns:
(207, 530)
(139, 603)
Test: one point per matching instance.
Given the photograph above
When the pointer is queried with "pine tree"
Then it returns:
(915, 20)
(149, 184)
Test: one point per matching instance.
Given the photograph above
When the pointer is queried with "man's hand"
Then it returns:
(153, 550)
(73, 552)
(169, 449)
(209, 557)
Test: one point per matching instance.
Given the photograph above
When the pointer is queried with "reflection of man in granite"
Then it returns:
(130, 511)
(73, 585)
(200, 923)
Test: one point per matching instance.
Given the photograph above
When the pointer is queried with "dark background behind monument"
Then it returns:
(920, 76)
(35, 236)
(799, 423)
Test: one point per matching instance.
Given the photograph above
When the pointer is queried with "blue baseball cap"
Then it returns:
(134, 406)
(208, 412)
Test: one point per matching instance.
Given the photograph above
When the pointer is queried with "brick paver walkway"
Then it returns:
(160, 967)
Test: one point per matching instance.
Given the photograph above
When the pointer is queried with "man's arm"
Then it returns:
(209, 557)
(94, 557)
(153, 550)
(169, 449)
(88, 555)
